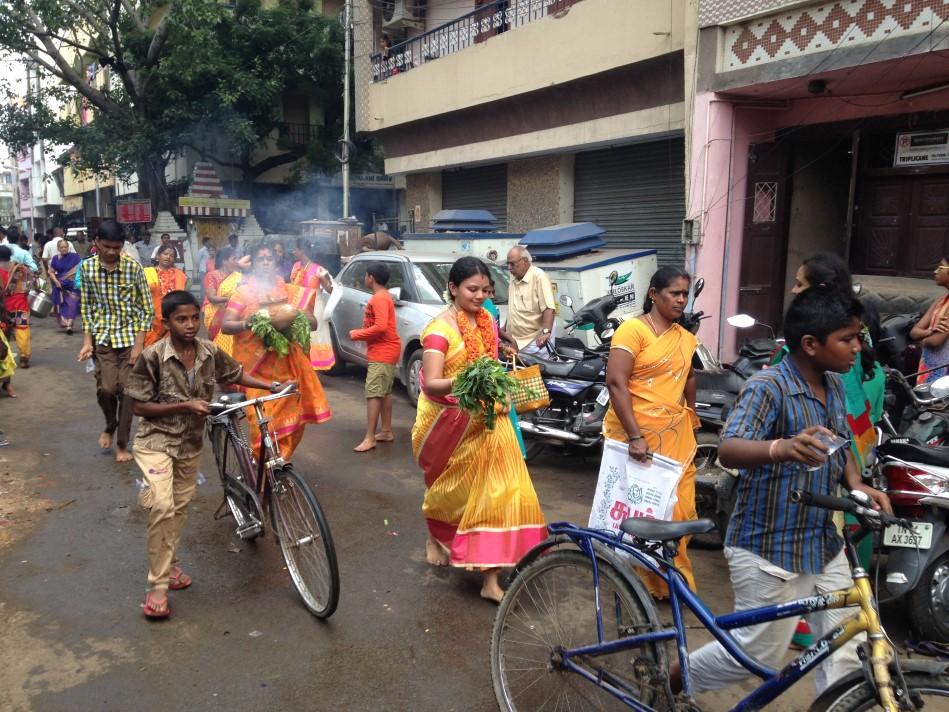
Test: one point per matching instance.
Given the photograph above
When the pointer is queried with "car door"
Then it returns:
(349, 313)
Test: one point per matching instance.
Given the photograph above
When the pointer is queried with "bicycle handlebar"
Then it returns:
(840, 504)
(219, 409)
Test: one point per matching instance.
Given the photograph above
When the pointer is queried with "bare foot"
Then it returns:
(8, 389)
(122, 455)
(491, 589)
(105, 441)
(365, 446)
(435, 553)
(385, 436)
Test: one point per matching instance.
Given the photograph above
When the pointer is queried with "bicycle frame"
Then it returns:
(775, 682)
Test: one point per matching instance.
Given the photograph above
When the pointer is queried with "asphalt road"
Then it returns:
(406, 636)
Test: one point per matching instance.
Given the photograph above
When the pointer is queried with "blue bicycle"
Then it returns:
(577, 630)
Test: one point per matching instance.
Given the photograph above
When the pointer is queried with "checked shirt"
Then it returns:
(116, 305)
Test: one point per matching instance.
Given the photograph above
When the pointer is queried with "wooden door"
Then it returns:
(928, 225)
(765, 237)
(903, 226)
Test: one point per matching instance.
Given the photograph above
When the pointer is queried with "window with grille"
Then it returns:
(765, 203)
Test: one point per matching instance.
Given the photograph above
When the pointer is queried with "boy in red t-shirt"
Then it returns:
(383, 349)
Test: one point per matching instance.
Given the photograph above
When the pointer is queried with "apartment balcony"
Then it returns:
(512, 47)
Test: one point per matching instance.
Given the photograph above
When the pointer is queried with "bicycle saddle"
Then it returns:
(662, 530)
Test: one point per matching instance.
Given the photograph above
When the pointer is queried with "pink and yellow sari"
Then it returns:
(661, 366)
(289, 415)
(479, 504)
(321, 350)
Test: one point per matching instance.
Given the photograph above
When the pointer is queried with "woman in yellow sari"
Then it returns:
(161, 280)
(480, 505)
(264, 288)
(219, 286)
(652, 395)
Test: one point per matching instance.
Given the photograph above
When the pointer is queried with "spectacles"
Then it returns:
(511, 264)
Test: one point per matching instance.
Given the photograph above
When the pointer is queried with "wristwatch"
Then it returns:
(545, 332)
(275, 386)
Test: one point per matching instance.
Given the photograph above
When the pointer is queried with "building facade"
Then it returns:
(541, 111)
(817, 126)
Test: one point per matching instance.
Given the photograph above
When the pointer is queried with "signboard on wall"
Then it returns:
(133, 211)
(921, 148)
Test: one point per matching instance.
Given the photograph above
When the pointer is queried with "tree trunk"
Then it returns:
(151, 184)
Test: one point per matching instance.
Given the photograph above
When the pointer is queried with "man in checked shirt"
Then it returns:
(116, 313)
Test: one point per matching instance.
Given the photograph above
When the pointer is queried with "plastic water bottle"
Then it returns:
(90, 366)
(201, 479)
(145, 495)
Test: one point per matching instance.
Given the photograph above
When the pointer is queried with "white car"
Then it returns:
(417, 282)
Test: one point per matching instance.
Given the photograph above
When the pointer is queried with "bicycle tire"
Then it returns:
(561, 582)
(234, 464)
(861, 696)
(305, 541)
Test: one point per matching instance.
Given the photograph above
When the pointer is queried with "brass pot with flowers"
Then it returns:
(277, 324)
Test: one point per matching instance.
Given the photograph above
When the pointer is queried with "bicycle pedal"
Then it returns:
(249, 530)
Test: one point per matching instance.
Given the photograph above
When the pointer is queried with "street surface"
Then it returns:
(406, 636)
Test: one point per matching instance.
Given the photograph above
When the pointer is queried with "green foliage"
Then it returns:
(481, 386)
(197, 74)
(273, 340)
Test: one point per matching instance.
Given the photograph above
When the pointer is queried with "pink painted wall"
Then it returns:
(721, 134)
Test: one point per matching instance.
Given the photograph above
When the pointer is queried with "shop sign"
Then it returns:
(921, 148)
(133, 211)
(186, 201)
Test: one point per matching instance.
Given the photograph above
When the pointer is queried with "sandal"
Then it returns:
(155, 612)
(178, 581)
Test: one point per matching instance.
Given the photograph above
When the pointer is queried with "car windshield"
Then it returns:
(431, 279)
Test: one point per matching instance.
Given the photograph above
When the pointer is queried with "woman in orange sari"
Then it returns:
(261, 289)
(652, 395)
(480, 505)
(161, 280)
(219, 286)
(309, 275)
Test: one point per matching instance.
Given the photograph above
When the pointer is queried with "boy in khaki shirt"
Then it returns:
(170, 386)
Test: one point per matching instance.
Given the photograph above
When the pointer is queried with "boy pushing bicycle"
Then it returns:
(778, 550)
(170, 386)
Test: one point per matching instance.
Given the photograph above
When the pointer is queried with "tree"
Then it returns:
(179, 74)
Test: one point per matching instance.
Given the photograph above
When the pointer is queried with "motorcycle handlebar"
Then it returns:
(840, 504)
(920, 403)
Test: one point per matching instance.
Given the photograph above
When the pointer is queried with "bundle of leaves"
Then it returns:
(481, 387)
(279, 341)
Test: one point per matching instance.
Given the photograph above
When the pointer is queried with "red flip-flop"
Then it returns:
(182, 580)
(151, 611)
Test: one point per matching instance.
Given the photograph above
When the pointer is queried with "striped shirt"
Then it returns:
(778, 403)
(116, 305)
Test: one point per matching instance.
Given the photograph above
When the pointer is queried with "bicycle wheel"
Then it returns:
(931, 690)
(305, 541)
(551, 605)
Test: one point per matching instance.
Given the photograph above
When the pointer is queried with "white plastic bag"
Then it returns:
(629, 488)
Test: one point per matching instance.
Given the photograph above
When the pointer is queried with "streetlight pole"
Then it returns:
(344, 149)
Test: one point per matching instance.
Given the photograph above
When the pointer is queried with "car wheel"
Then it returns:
(413, 376)
(339, 365)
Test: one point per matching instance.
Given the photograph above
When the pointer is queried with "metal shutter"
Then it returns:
(637, 193)
(481, 188)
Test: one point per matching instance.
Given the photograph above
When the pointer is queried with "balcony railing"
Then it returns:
(297, 134)
(477, 26)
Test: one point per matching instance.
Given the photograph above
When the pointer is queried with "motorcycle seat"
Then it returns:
(662, 530)
(724, 380)
(557, 369)
(915, 452)
(757, 348)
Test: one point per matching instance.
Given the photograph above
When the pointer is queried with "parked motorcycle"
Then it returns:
(575, 377)
(916, 478)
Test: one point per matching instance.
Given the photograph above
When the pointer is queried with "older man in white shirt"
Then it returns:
(531, 305)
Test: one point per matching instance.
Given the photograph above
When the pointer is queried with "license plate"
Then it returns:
(921, 537)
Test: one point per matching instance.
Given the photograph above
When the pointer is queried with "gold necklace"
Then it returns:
(652, 324)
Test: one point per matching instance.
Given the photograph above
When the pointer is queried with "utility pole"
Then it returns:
(345, 144)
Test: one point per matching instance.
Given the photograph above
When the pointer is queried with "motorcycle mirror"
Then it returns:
(566, 301)
(607, 333)
(741, 321)
(699, 286)
(940, 387)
